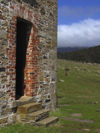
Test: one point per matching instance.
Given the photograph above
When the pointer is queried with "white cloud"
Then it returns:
(84, 33)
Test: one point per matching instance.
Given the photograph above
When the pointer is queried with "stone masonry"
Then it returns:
(39, 18)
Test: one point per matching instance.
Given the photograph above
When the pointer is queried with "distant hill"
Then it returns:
(91, 54)
(68, 49)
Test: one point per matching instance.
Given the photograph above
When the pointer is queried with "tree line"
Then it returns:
(91, 55)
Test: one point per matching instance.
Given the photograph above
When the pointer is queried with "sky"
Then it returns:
(78, 23)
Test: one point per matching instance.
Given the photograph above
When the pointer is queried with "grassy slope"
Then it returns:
(81, 91)
(78, 92)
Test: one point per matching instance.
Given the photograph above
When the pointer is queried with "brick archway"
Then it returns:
(32, 53)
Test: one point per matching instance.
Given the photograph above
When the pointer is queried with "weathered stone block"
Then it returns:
(4, 120)
(28, 108)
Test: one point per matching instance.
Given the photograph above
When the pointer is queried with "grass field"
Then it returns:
(78, 94)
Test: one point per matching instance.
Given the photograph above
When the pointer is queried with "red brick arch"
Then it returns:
(31, 68)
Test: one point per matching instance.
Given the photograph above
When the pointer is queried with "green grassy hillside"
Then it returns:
(78, 94)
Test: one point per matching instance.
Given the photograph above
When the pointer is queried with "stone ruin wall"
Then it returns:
(43, 15)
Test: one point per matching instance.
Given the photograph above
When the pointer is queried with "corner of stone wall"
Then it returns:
(45, 18)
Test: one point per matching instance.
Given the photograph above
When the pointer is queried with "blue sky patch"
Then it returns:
(78, 23)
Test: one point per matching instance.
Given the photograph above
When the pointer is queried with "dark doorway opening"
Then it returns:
(23, 31)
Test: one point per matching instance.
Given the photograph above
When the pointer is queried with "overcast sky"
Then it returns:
(78, 23)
